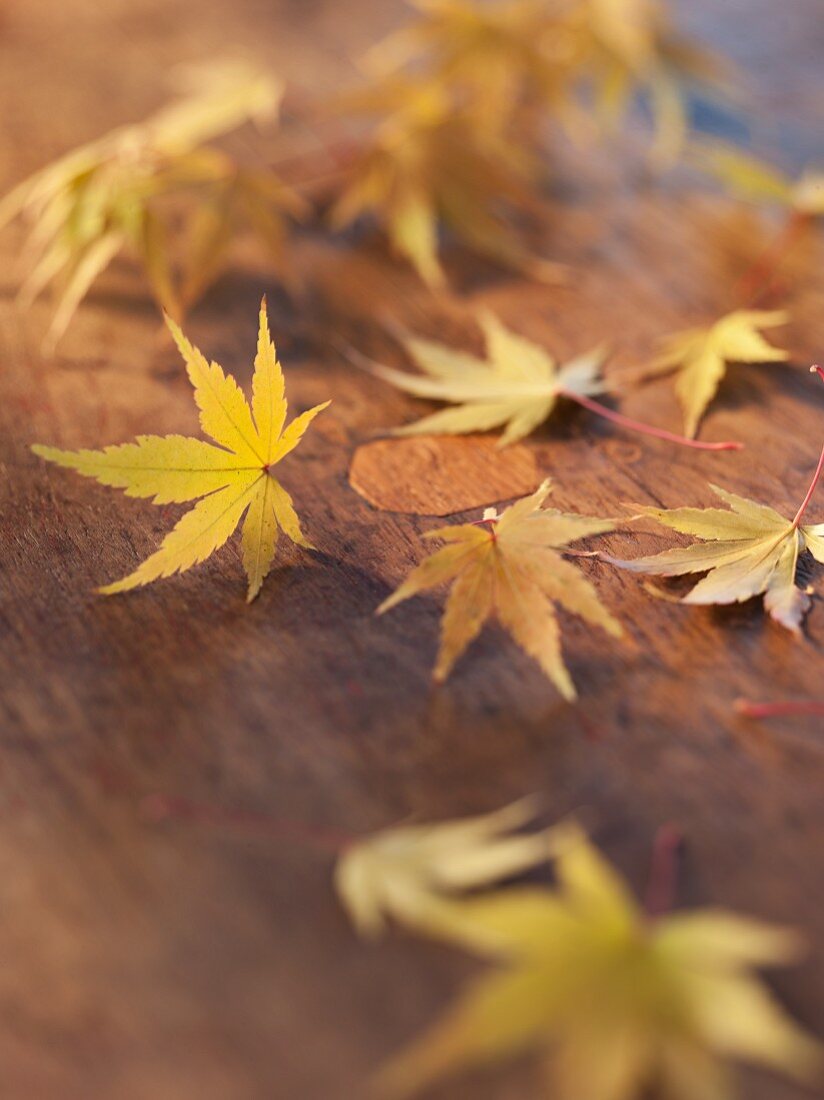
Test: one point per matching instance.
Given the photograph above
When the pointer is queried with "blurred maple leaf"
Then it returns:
(615, 1002)
(628, 48)
(426, 165)
(750, 177)
(518, 62)
(104, 197)
(407, 873)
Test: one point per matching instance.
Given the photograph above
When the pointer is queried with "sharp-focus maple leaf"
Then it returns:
(110, 196)
(754, 179)
(701, 356)
(748, 551)
(407, 873)
(425, 165)
(509, 566)
(516, 387)
(228, 480)
(615, 1002)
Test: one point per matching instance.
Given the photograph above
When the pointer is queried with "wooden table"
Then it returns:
(205, 955)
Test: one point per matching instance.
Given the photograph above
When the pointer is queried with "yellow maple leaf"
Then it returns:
(515, 388)
(501, 59)
(104, 198)
(518, 62)
(228, 480)
(748, 551)
(615, 1002)
(426, 165)
(627, 48)
(755, 179)
(701, 356)
(408, 873)
(508, 566)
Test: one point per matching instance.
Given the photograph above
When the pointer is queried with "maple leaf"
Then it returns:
(425, 164)
(509, 566)
(516, 387)
(499, 58)
(407, 873)
(105, 197)
(236, 199)
(615, 1002)
(228, 480)
(627, 48)
(752, 178)
(750, 550)
(701, 355)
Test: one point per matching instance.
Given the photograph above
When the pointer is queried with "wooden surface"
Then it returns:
(206, 957)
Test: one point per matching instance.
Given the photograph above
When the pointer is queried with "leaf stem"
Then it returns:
(161, 807)
(758, 279)
(786, 708)
(646, 429)
(818, 470)
(663, 876)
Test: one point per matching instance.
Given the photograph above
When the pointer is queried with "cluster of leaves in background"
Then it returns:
(465, 97)
(130, 190)
(462, 97)
(616, 1000)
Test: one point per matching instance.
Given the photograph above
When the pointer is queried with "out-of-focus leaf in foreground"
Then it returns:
(509, 566)
(615, 1002)
(230, 480)
(409, 874)
(700, 356)
(116, 194)
(515, 388)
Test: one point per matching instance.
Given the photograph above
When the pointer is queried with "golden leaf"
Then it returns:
(701, 355)
(614, 1002)
(750, 550)
(106, 197)
(514, 64)
(426, 165)
(627, 49)
(408, 873)
(516, 387)
(227, 480)
(508, 566)
(751, 178)
(501, 59)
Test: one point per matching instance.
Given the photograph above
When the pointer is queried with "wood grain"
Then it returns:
(204, 956)
(441, 475)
